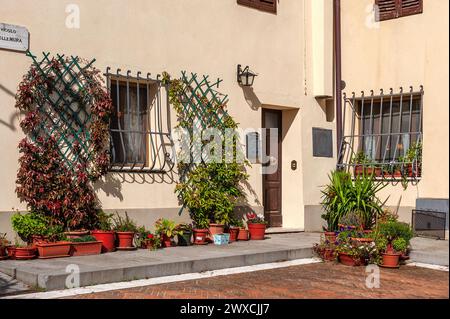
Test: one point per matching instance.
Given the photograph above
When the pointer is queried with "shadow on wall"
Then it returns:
(13, 116)
(112, 183)
(251, 98)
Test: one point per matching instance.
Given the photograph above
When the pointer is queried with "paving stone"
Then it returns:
(318, 281)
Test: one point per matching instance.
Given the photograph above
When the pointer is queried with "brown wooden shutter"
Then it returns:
(410, 7)
(392, 9)
(387, 9)
(265, 5)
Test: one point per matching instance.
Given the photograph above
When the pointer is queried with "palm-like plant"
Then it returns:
(344, 195)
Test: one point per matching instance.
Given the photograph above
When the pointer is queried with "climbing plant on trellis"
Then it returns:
(66, 121)
(208, 189)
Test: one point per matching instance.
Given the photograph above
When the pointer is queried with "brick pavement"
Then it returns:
(322, 281)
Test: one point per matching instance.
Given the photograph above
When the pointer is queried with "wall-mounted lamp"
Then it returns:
(245, 77)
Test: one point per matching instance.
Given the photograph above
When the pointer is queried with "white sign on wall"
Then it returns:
(14, 37)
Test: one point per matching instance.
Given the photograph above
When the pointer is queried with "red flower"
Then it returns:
(150, 236)
(251, 215)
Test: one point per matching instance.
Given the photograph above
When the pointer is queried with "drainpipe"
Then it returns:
(338, 71)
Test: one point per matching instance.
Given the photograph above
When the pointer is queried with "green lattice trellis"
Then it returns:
(63, 106)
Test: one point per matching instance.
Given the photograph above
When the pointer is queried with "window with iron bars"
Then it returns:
(140, 129)
(382, 135)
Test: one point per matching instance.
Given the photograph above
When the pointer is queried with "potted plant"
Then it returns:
(31, 227)
(55, 246)
(167, 230)
(393, 238)
(23, 251)
(326, 250)
(104, 232)
(354, 253)
(200, 231)
(363, 165)
(184, 233)
(85, 246)
(74, 234)
(125, 229)
(4, 243)
(256, 226)
(233, 229)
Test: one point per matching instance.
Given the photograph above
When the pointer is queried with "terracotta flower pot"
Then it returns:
(3, 253)
(166, 241)
(107, 238)
(243, 234)
(234, 231)
(86, 248)
(36, 239)
(348, 260)
(257, 231)
(24, 253)
(53, 250)
(200, 236)
(391, 260)
(125, 239)
(215, 229)
(11, 250)
(76, 234)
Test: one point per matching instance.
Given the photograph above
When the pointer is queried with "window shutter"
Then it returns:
(387, 9)
(409, 7)
(265, 5)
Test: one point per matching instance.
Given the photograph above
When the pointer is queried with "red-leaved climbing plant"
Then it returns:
(66, 121)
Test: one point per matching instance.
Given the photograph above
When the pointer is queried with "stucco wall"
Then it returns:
(203, 36)
(409, 51)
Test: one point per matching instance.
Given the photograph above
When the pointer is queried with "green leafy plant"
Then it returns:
(124, 224)
(104, 221)
(400, 245)
(165, 227)
(183, 228)
(344, 196)
(84, 239)
(335, 198)
(360, 158)
(34, 224)
(392, 230)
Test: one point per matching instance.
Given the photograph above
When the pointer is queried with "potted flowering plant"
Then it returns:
(167, 230)
(256, 226)
(326, 250)
(354, 253)
(104, 231)
(233, 229)
(85, 246)
(146, 240)
(126, 230)
(184, 234)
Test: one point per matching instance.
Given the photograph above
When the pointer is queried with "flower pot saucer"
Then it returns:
(126, 248)
(51, 257)
(3, 257)
(200, 244)
(389, 267)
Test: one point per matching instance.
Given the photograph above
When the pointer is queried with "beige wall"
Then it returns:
(403, 52)
(203, 36)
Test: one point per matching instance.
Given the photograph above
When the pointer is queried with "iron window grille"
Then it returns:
(140, 128)
(382, 135)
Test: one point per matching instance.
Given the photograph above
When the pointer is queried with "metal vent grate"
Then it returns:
(427, 223)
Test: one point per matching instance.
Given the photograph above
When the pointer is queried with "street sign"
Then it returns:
(14, 37)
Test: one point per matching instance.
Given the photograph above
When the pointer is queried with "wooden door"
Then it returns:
(272, 182)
